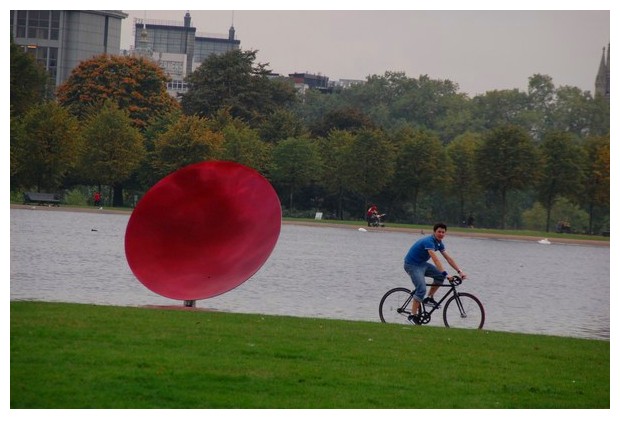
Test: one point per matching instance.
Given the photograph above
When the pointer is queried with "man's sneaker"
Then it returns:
(430, 301)
(414, 319)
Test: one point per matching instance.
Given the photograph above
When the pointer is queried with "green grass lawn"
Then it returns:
(87, 356)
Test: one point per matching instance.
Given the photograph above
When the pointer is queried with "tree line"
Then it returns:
(417, 147)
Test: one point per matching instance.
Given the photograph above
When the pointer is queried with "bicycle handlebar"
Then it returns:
(456, 280)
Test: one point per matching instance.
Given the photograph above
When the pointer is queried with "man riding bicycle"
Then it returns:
(417, 266)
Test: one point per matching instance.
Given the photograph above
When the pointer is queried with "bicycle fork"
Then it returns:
(459, 304)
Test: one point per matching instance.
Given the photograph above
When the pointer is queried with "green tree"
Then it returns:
(464, 181)
(335, 150)
(369, 164)
(535, 218)
(146, 176)
(600, 117)
(280, 125)
(420, 155)
(47, 147)
(243, 144)
(456, 119)
(135, 84)
(597, 176)
(315, 105)
(296, 163)
(114, 149)
(231, 80)
(378, 97)
(541, 95)
(188, 141)
(16, 161)
(507, 160)
(423, 102)
(341, 119)
(28, 81)
(497, 108)
(561, 169)
(573, 111)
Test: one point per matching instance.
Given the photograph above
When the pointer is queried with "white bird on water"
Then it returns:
(544, 241)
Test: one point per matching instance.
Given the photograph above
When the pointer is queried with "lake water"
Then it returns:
(323, 272)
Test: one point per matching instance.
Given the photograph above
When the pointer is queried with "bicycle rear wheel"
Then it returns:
(463, 311)
(395, 306)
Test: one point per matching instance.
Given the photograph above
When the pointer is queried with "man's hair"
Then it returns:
(439, 225)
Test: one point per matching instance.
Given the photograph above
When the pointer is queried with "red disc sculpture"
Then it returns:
(203, 230)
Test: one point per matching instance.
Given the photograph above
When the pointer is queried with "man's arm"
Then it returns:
(436, 260)
(453, 264)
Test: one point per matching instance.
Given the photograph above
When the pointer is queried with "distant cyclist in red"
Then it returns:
(97, 198)
(372, 211)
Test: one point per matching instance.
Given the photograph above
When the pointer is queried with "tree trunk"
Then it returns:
(503, 220)
(548, 207)
(290, 199)
(415, 205)
(117, 196)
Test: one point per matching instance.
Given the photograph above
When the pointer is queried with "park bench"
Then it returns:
(41, 198)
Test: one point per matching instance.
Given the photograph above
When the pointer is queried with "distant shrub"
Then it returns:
(75, 197)
(562, 211)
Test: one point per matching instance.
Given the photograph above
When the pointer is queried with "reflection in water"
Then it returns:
(338, 273)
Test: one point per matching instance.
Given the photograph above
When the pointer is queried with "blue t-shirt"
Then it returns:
(418, 253)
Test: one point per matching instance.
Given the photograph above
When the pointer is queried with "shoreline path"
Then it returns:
(309, 222)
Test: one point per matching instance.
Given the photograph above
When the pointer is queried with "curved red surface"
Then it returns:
(203, 230)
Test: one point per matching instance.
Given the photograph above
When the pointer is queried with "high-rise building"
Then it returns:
(602, 82)
(61, 39)
(177, 47)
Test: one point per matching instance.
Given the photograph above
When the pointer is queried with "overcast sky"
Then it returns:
(480, 50)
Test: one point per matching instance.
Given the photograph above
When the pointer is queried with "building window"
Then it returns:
(46, 56)
(55, 27)
(21, 23)
(38, 24)
(176, 85)
(52, 62)
(41, 55)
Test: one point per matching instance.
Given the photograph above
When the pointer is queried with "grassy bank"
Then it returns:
(471, 232)
(85, 356)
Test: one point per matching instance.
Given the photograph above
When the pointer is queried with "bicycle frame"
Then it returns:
(451, 292)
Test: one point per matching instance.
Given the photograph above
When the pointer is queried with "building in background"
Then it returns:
(61, 39)
(177, 47)
(348, 83)
(304, 81)
(602, 82)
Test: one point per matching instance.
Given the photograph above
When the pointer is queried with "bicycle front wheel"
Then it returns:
(395, 306)
(463, 310)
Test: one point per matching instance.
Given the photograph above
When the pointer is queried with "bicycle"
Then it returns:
(461, 310)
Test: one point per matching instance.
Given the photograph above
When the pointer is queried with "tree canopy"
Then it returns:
(187, 141)
(113, 150)
(46, 147)
(418, 147)
(507, 161)
(233, 81)
(28, 81)
(135, 84)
